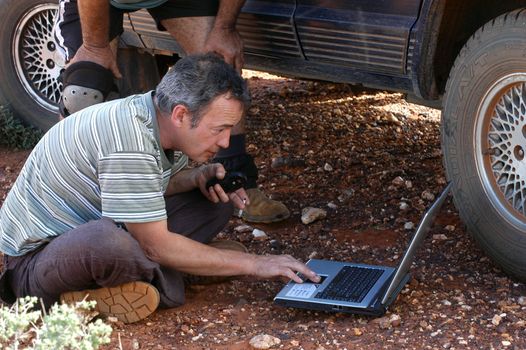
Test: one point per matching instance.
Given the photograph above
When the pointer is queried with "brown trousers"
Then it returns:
(102, 254)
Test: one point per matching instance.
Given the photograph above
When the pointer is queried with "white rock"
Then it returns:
(259, 235)
(310, 214)
(440, 237)
(496, 320)
(264, 341)
(395, 320)
(242, 228)
(332, 205)
(427, 195)
(398, 181)
(112, 319)
(408, 184)
(409, 226)
(522, 300)
(197, 337)
(327, 167)
(313, 255)
(404, 206)
(450, 228)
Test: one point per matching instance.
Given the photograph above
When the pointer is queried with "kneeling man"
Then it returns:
(107, 206)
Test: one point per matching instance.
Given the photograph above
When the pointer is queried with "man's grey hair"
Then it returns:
(195, 81)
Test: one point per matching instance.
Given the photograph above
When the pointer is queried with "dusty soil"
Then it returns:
(373, 162)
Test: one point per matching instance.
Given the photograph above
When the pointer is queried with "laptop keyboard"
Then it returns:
(351, 284)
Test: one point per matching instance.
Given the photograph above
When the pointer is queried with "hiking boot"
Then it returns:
(219, 244)
(128, 302)
(263, 209)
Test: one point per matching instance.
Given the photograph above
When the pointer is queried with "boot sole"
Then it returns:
(129, 302)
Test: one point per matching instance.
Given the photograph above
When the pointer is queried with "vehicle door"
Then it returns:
(369, 35)
(267, 29)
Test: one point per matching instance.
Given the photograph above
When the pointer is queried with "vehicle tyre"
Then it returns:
(31, 64)
(484, 139)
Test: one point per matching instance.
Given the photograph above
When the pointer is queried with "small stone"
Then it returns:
(522, 300)
(346, 195)
(404, 206)
(337, 111)
(409, 226)
(398, 181)
(310, 214)
(496, 320)
(295, 343)
(395, 320)
(357, 331)
(450, 228)
(440, 237)
(384, 323)
(427, 196)
(112, 319)
(506, 343)
(332, 206)
(408, 184)
(327, 167)
(393, 119)
(259, 235)
(242, 228)
(197, 337)
(313, 255)
(275, 244)
(264, 341)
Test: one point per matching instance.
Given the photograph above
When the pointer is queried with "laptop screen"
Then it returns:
(416, 242)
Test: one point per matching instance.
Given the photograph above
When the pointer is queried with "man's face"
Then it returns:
(202, 142)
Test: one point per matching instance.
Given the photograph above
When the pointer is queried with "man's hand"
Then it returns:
(103, 56)
(282, 265)
(216, 193)
(226, 42)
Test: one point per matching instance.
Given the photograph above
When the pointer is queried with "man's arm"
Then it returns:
(224, 39)
(95, 24)
(183, 254)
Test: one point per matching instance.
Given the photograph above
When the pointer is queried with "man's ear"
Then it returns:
(179, 113)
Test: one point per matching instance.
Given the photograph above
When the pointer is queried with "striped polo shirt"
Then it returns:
(105, 160)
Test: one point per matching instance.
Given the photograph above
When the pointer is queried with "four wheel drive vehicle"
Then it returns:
(468, 56)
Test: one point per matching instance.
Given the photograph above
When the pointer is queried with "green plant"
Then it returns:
(14, 134)
(64, 327)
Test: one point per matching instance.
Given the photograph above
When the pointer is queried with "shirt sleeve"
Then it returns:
(131, 187)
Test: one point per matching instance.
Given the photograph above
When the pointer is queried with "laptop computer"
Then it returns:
(358, 288)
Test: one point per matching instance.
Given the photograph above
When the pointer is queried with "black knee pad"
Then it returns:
(84, 84)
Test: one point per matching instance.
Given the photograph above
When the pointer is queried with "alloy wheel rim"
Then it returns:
(38, 62)
(500, 147)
